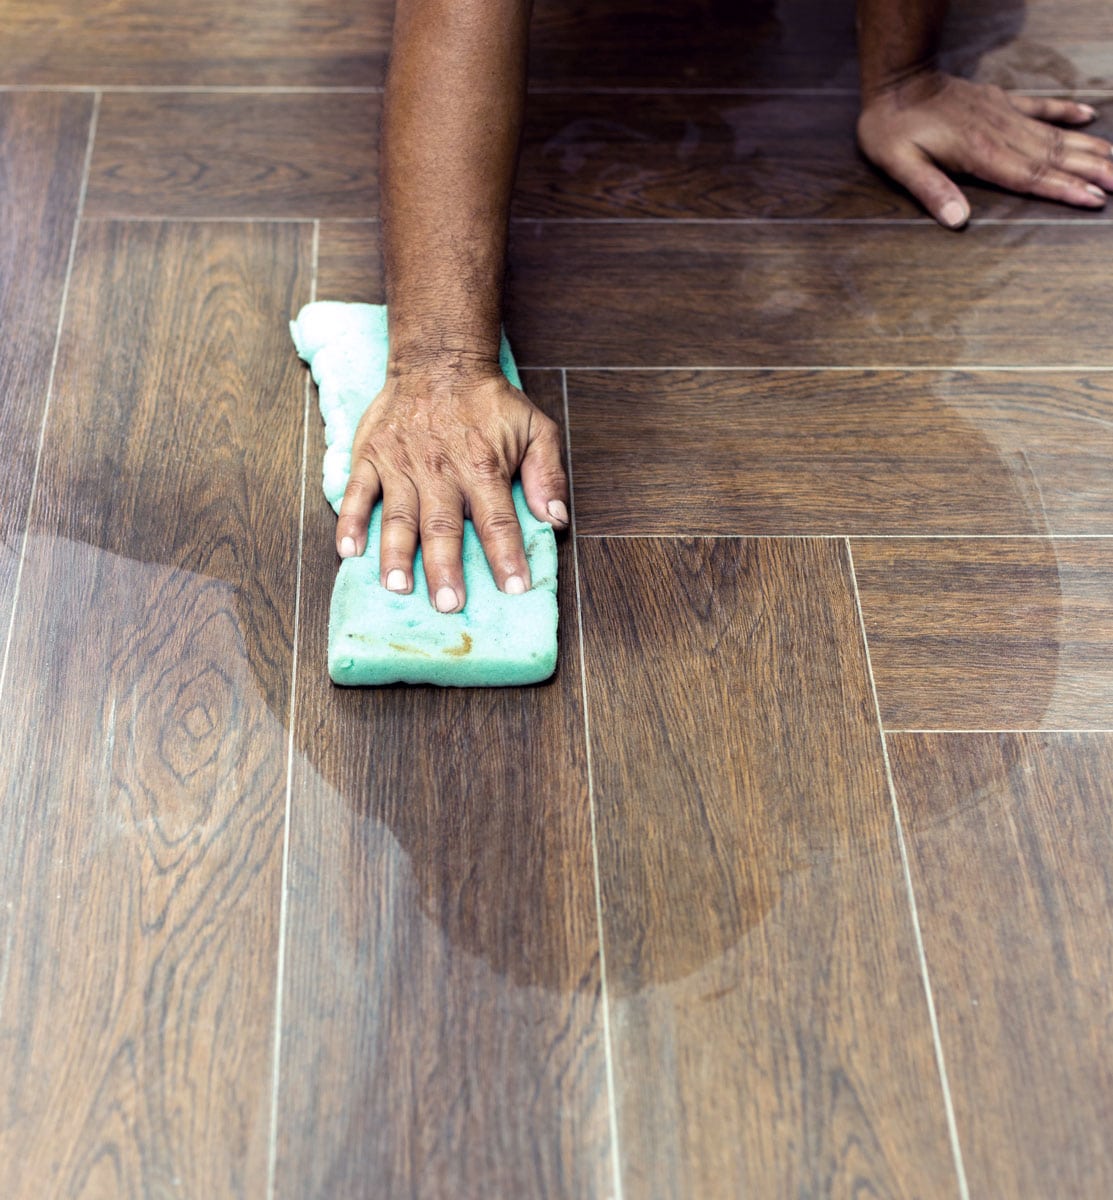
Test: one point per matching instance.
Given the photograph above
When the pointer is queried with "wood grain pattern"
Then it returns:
(349, 264)
(798, 296)
(442, 1029)
(236, 156)
(1034, 44)
(143, 766)
(653, 295)
(717, 155)
(1009, 841)
(271, 43)
(883, 452)
(770, 1030)
(42, 154)
(1012, 634)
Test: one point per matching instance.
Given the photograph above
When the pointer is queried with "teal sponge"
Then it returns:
(376, 636)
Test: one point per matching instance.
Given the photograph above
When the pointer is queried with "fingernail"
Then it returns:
(347, 547)
(1095, 191)
(396, 580)
(558, 512)
(447, 600)
(953, 214)
(1088, 110)
(515, 585)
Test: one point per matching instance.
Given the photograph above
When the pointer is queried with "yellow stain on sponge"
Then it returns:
(379, 637)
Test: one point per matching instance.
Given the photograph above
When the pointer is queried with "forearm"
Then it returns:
(897, 39)
(453, 108)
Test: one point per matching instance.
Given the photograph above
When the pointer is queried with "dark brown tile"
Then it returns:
(43, 141)
(227, 155)
(717, 155)
(144, 761)
(197, 42)
(442, 1022)
(1009, 842)
(987, 634)
(836, 452)
(770, 1031)
(705, 43)
(636, 294)
(349, 265)
(712, 295)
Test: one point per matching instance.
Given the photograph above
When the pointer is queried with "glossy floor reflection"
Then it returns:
(794, 881)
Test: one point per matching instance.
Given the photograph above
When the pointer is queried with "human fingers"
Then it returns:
(936, 191)
(1047, 146)
(1023, 172)
(442, 541)
(496, 522)
(1047, 108)
(544, 482)
(355, 508)
(398, 541)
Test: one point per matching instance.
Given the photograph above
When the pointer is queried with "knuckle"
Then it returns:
(357, 489)
(497, 525)
(441, 525)
(486, 463)
(435, 460)
(1057, 147)
(400, 517)
(1035, 173)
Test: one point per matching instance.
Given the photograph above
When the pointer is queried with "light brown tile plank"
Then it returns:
(144, 760)
(196, 42)
(584, 295)
(1009, 840)
(42, 154)
(717, 155)
(1034, 43)
(885, 452)
(236, 156)
(771, 1036)
(1013, 634)
(442, 1028)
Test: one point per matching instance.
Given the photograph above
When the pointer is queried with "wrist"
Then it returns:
(441, 361)
(905, 86)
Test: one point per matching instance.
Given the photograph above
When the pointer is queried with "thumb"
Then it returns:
(543, 480)
(937, 192)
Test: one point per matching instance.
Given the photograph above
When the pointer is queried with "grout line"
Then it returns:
(766, 222)
(816, 368)
(533, 90)
(556, 90)
(860, 537)
(927, 222)
(1017, 731)
(191, 88)
(50, 384)
(280, 969)
(171, 218)
(952, 1127)
(374, 89)
(608, 1052)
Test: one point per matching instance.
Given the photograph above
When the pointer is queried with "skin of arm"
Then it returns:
(447, 433)
(920, 125)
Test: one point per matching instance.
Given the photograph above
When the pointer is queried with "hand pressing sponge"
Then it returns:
(376, 636)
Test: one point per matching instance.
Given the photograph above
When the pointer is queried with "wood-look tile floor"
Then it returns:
(797, 879)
